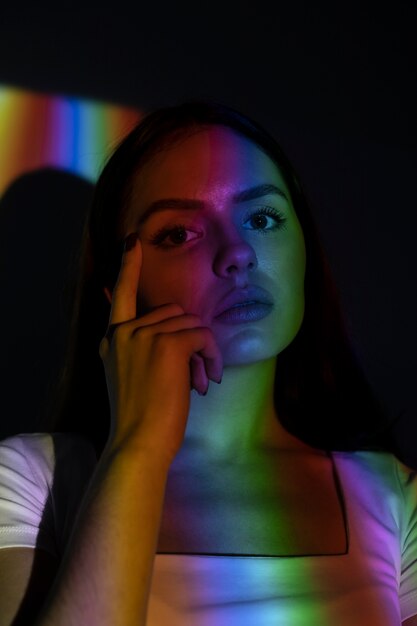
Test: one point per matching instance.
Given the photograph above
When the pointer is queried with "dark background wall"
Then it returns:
(336, 86)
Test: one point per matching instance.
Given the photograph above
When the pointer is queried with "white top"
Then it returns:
(43, 478)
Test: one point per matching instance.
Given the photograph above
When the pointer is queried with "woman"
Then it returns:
(265, 492)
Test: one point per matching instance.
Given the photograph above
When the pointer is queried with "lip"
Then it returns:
(244, 313)
(248, 296)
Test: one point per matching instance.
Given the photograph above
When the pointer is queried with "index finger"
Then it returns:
(123, 304)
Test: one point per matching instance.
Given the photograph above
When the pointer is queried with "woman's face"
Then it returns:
(220, 230)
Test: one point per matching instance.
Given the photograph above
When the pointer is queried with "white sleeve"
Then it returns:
(26, 473)
(43, 478)
(408, 581)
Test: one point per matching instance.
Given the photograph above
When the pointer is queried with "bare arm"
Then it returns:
(105, 575)
(106, 572)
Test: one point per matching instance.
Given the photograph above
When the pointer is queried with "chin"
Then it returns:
(244, 350)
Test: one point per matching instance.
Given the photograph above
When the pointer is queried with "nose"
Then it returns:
(235, 259)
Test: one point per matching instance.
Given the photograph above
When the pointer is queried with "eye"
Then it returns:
(177, 233)
(261, 217)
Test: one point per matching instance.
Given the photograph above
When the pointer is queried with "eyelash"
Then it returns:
(160, 235)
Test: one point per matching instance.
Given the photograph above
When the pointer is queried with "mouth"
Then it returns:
(244, 304)
(244, 312)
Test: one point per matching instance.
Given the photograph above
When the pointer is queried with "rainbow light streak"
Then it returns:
(43, 130)
(294, 586)
(360, 587)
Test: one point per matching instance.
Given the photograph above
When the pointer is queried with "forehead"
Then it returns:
(210, 164)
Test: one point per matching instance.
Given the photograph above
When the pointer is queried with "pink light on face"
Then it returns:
(46, 130)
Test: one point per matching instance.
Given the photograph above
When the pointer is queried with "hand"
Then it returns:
(147, 362)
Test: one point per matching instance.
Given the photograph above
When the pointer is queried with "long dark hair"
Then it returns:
(321, 393)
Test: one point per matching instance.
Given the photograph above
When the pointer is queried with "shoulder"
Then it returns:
(44, 443)
(378, 462)
(27, 454)
(379, 472)
(39, 453)
(42, 480)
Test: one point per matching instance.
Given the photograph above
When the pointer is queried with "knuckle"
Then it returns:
(164, 342)
(160, 341)
(142, 332)
(113, 333)
(103, 348)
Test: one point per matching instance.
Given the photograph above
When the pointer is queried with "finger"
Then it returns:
(201, 341)
(213, 359)
(201, 369)
(123, 304)
(161, 313)
(199, 380)
(164, 316)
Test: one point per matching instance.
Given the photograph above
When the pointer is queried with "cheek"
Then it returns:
(176, 280)
(285, 260)
(287, 264)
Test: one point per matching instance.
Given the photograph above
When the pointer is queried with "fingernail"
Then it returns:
(130, 241)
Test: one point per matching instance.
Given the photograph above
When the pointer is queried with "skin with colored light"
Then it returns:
(205, 254)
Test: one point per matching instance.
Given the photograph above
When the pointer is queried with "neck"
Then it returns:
(236, 421)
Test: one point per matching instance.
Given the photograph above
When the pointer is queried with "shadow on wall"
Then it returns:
(41, 220)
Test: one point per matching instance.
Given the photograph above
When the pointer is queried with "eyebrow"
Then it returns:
(177, 204)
